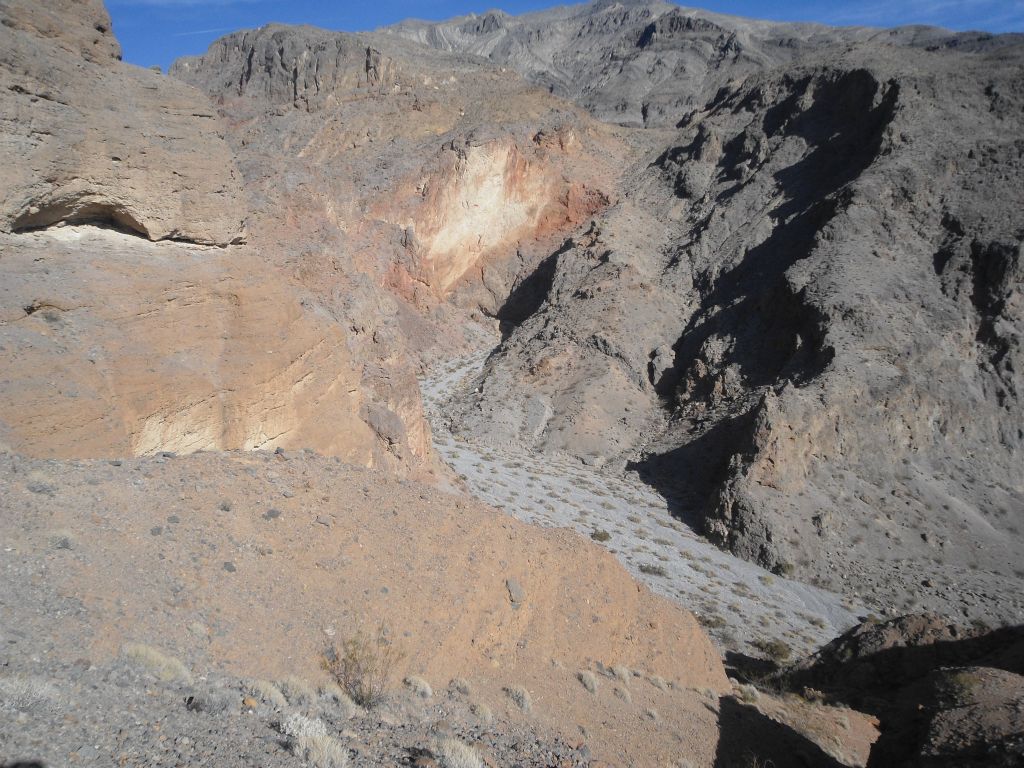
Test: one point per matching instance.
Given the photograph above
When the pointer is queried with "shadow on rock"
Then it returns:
(748, 738)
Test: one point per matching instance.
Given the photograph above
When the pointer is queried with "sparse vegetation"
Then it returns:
(20, 694)
(482, 711)
(267, 692)
(747, 694)
(166, 668)
(297, 691)
(453, 753)
(600, 535)
(658, 682)
(308, 739)
(652, 570)
(587, 680)
(363, 666)
(623, 674)
(419, 686)
(519, 696)
(776, 650)
(331, 691)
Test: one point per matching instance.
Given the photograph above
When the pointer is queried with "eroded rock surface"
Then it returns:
(90, 139)
(802, 322)
(648, 62)
(946, 695)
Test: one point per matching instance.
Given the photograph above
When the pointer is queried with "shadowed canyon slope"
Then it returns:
(801, 320)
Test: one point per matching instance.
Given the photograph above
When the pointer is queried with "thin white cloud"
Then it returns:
(202, 32)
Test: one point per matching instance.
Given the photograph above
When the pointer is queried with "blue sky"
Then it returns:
(158, 31)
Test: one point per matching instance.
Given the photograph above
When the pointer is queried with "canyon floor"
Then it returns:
(737, 602)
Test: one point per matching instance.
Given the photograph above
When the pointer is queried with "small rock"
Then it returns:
(515, 592)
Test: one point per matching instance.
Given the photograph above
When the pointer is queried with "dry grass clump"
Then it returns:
(482, 711)
(776, 650)
(333, 693)
(308, 739)
(587, 680)
(652, 570)
(419, 686)
(520, 697)
(748, 694)
(164, 667)
(624, 694)
(25, 694)
(622, 674)
(297, 691)
(61, 539)
(461, 686)
(363, 666)
(453, 753)
(267, 692)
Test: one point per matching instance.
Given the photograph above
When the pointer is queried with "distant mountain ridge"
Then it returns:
(648, 62)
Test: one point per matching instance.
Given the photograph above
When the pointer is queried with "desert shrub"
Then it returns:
(652, 570)
(61, 540)
(482, 711)
(453, 753)
(419, 686)
(297, 691)
(587, 680)
(520, 697)
(600, 535)
(776, 650)
(308, 739)
(623, 674)
(748, 694)
(623, 694)
(164, 667)
(267, 692)
(711, 621)
(363, 666)
(20, 694)
(331, 692)
(460, 685)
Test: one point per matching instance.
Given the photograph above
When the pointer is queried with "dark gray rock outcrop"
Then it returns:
(831, 252)
(303, 66)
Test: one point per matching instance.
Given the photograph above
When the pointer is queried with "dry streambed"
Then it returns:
(744, 607)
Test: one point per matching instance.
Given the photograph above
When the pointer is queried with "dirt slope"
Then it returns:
(251, 563)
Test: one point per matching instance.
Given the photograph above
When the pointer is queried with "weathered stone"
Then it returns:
(87, 138)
